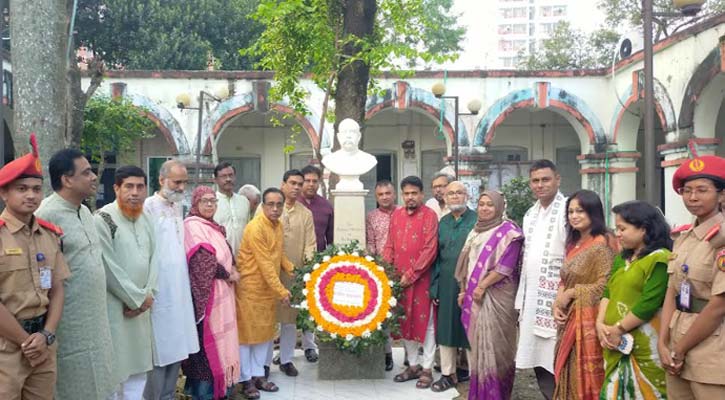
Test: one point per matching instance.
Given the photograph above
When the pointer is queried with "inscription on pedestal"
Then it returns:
(349, 216)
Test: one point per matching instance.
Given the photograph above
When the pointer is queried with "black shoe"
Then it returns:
(463, 375)
(388, 361)
(311, 355)
(275, 360)
(289, 369)
(266, 372)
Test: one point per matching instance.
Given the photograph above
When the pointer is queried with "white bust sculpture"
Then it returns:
(349, 162)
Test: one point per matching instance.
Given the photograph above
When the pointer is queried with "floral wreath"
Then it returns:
(348, 297)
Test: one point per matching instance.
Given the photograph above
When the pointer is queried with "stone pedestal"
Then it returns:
(335, 364)
(349, 216)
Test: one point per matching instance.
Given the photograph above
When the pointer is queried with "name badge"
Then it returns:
(14, 251)
(685, 294)
(46, 278)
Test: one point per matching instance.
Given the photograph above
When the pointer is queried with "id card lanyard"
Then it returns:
(46, 274)
(685, 289)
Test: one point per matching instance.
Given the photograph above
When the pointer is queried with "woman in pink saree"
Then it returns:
(211, 373)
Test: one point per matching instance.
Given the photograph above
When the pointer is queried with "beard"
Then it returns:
(457, 207)
(131, 211)
(412, 207)
(172, 196)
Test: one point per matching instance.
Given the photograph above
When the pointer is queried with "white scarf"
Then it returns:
(549, 260)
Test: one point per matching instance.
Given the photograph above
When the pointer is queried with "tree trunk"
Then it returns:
(352, 82)
(38, 31)
(77, 99)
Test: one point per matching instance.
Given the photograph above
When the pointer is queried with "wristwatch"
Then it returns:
(49, 336)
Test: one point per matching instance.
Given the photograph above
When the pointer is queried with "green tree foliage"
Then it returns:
(519, 198)
(318, 38)
(167, 34)
(570, 48)
(113, 125)
(625, 14)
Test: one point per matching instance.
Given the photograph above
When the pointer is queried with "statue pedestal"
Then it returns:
(349, 216)
(335, 364)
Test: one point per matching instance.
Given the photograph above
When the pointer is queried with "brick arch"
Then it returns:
(164, 121)
(541, 96)
(242, 104)
(664, 108)
(710, 67)
(404, 97)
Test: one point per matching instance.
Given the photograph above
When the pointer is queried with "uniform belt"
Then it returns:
(33, 325)
(696, 305)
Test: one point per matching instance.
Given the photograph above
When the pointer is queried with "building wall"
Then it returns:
(582, 107)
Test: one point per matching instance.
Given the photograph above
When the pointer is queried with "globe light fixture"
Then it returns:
(183, 100)
(474, 106)
(688, 8)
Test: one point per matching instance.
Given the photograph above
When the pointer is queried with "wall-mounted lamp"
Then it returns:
(408, 148)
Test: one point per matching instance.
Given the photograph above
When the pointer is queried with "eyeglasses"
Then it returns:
(273, 205)
(457, 193)
(699, 191)
(209, 202)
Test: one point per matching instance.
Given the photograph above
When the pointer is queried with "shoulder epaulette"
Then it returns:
(681, 229)
(712, 232)
(49, 226)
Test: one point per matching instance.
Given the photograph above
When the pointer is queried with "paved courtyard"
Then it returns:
(306, 386)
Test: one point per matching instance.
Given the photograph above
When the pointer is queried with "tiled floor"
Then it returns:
(307, 386)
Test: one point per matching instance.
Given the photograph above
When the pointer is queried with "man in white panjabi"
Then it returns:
(253, 195)
(233, 209)
(172, 314)
(545, 232)
(349, 162)
(437, 203)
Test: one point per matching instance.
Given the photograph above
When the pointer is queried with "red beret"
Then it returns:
(711, 167)
(27, 165)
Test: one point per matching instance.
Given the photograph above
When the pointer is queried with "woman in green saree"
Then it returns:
(631, 305)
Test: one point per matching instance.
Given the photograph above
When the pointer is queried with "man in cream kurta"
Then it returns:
(127, 245)
(545, 232)
(85, 350)
(172, 315)
(232, 209)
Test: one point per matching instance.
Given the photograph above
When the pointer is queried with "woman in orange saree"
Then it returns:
(578, 363)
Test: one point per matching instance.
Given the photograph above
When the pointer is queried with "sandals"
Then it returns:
(263, 384)
(249, 391)
(425, 379)
(409, 374)
(446, 382)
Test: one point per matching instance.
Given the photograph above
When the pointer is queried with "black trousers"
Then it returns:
(546, 382)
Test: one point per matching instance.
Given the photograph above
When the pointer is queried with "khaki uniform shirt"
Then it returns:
(704, 363)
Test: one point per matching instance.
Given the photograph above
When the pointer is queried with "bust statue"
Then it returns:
(349, 162)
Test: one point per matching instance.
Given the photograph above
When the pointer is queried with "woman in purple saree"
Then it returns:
(488, 272)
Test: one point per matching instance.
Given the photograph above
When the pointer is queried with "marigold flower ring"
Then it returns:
(348, 295)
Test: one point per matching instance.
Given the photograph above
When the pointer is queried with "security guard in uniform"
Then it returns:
(692, 335)
(32, 270)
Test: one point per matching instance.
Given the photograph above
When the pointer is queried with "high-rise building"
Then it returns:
(524, 24)
(498, 31)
